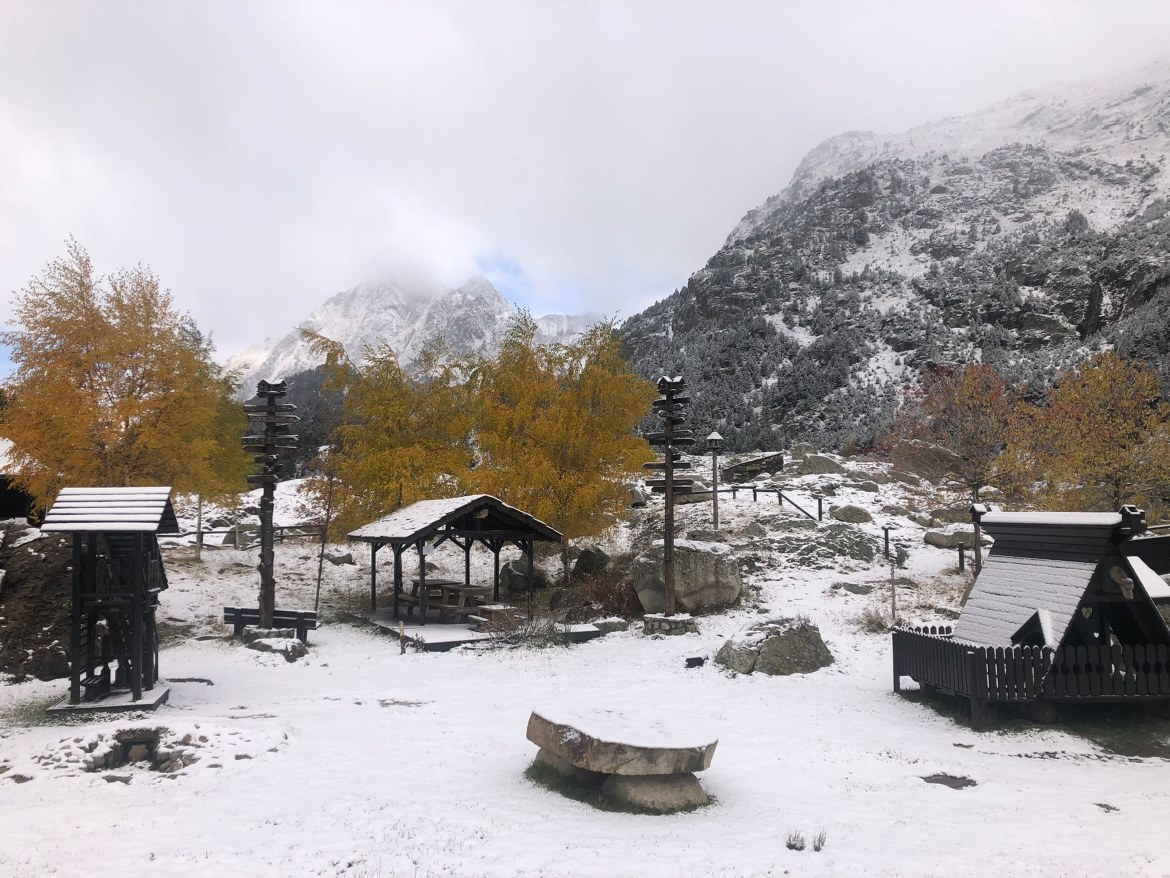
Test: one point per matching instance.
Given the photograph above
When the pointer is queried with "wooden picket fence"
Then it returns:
(987, 675)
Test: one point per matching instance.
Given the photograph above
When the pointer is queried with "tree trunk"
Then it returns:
(198, 527)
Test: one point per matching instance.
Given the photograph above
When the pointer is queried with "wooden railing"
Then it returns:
(1009, 674)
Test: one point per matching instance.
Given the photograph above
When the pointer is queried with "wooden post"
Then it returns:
(820, 509)
(467, 563)
(886, 531)
(962, 558)
(496, 545)
(397, 550)
(199, 527)
(893, 596)
(668, 531)
(139, 586)
(422, 584)
(529, 546)
(715, 489)
(75, 633)
(374, 581)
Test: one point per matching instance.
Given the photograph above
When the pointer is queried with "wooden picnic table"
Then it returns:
(455, 598)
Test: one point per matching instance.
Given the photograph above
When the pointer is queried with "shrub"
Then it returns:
(873, 621)
(612, 592)
(819, 840)
(794, 841)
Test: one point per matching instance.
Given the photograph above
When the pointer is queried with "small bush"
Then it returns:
(612, 592)
(873, 621)
(535, 633)
(819, 840)
(794, 841)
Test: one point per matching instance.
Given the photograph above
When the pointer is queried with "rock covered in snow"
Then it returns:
(819, 464)
(592, 560)
(850, 514)
(776, 647)
(659, 794)
(705, 575)
(514, 576)
(289, 647)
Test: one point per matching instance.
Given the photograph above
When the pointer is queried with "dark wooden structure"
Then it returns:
(274, 443)
(117, 577)
(1067, 607)
(672, 436)
(462, 521)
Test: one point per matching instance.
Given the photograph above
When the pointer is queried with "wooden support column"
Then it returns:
(139, 586)
(422, 584)
(496, 545)
(528, 553)
(374, 581)
(467, 562)
(75, 631)
(397, 550)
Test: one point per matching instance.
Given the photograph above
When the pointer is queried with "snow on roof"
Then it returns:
(140, 510)
(1011, 589)
(1152, 584)
(1055, 519)
(412, 522)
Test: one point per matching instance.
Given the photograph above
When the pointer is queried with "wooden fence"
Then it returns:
(1022, 674)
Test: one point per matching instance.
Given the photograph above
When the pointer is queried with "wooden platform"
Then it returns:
(119, 701)
(439, 637)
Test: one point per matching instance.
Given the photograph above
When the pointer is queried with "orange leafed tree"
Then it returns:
(1102, 439)
(114, 386)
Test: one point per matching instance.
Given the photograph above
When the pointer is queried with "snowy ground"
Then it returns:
(357, 760)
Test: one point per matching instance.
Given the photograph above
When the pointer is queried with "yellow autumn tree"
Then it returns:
(113, 386)
(404, 437)
(555, 428)
(1100, 440)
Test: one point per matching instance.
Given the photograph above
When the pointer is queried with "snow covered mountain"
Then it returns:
(472, 318)
(1021, 235)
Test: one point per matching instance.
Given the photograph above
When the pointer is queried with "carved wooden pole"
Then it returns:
(669, 408)
(269, 448)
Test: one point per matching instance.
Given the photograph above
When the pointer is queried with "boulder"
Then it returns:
(905, 478)
(802, 450)
(611, 742)
(658, 794)
(591, 561)
(612, 625)
(340, 558)
(755, 530)
(923, 459)
(513, 576)
(705, 575)
(638, 498)
(922, 519)
(567, 770)
(705, 536)
(775, 647)
(827, 545)
(850, 514)
(818, 464)
(895, 509)
(950, 539)
(867, 486)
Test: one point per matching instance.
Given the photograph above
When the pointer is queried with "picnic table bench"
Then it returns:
(301, 620)
(451, 598)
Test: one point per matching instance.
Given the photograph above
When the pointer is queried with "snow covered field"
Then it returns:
(357, 760)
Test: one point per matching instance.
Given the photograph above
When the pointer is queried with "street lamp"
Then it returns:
(714, 443)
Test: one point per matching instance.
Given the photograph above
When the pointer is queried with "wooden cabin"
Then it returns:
(1068, 607)
(117, 573)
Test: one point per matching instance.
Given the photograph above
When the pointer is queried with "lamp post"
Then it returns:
(714, 443)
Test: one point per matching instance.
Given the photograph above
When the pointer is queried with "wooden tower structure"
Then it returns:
(117, 577)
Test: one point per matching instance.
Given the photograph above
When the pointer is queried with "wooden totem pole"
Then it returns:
(275, 443)
(669, 407)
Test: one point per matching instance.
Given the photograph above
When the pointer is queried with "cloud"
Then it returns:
(261, 156)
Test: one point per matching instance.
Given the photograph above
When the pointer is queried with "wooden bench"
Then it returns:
(301, 620)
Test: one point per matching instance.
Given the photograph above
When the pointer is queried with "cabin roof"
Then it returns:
(465, 515)
(108, 510)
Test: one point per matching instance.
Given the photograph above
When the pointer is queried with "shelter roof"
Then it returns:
(134, 510)
(466, 515)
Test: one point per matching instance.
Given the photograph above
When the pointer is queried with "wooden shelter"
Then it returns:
(1068, 607)
(117, 576)
(463, 521)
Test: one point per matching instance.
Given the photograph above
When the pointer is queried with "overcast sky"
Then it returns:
(261, 156)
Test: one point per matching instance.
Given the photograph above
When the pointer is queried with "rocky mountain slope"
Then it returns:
(471, 318)
(1022, 235)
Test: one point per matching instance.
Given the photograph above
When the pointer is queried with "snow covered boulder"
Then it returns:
(850, 514)
(637, 497)
(776, 647)
(289, 647)
(705, 575)
(942, 539)
(802, 450)
(818, 464)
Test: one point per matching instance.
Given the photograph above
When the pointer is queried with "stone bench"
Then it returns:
(637, 764)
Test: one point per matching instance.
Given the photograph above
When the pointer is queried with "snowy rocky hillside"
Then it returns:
(362, 761)
(1019, 235)
(471, 318)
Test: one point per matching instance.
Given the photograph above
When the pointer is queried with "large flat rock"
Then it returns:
(614, 743)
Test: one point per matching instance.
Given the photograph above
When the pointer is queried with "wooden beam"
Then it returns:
(374, 579)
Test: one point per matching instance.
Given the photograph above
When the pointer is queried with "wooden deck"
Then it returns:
(120, 701)
(439, 637)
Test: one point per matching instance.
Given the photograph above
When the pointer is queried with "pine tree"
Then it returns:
(113, 386)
